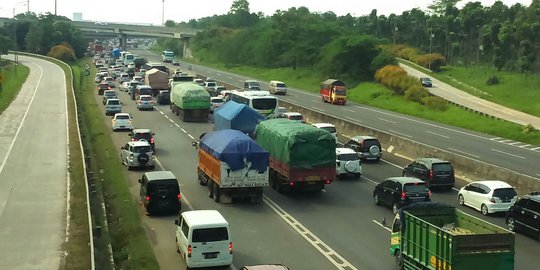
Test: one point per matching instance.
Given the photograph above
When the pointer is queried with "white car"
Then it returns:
(488, 196)
(348, 163)
(122, 121)
(216, 102)
(145, 102)
(137, 154)
(124, 87)
(328, 127)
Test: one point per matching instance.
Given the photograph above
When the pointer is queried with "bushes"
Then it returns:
(63, 52)
(433, 61)
(397, 79)
(492, 80)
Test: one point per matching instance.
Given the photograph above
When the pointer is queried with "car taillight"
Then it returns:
(430, 174)
(189, 250)
(327, 181)
(230, 247)
(151, 140)
(292, 184)
(403, 195)
(179, 196)
(108, 88)
(429, 193)
(491, 199)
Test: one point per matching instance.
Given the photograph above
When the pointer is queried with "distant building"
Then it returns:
(77, 16)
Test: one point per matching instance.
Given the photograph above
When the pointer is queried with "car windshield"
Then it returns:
(114, 102)
(415, 188)
(146, 98)
(296, 117)
(144, 136)
(210, 235)
(264, 103)
(280, 85)
(442, 167)
(329, 129)
(142, 149)
(110, 94)
(347, 157)
(504, 193)
(122, 117)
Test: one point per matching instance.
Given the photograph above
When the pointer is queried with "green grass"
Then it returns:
(13, 78)
(376, 95)
(515, 90)
(131, 248)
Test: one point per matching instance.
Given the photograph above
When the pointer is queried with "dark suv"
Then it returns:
(368, 147)
(159, 192)
(524, 215)
(397, 192)
(435, 172)
(426, 82)
(145, 134)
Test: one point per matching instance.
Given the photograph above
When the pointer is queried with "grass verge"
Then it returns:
(13, 78)
(515, 90)
(376, 95)
(130, 246)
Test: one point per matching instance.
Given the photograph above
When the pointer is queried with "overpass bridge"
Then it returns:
(122, 31)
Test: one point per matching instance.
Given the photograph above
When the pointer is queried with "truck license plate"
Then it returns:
(312, 178)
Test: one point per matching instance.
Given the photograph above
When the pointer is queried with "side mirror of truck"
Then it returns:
(139, 180)
(177, 222)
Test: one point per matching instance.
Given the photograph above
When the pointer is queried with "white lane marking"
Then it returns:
(334, 258)
(536, 148)
(354, 120)
(183, 130)
(161, 111)
(505, 141)
(538, 174)
(384, 227)
(166, 116)
(437, 134)
(462, 152)
(8, 153)
(177, 125)
(386, 120)
(401, 134)
(191, 136)
(391, 164)
(172, 121)
(349, 110)
(316, 101)
(496, 139)
(184, 198)
(514, 143)
(506, 153)
(317, 109)
(524, 146)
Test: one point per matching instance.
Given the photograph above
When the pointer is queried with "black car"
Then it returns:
(159, 192)
(368, 147)
(140, 134)
(435, 172)
(397, 192)
(426, 82)
(524, 215)
(102, 87)
(163, 97)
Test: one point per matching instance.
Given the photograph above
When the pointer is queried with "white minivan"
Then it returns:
(277, 87)
(203, 239)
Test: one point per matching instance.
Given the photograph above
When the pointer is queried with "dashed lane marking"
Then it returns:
(317, 109)
(437, 134)
(334, 258)
(353, 120)
(183, 130)
(462, 152)
(382, 226)
(398, 133)
(349, 110)
(506, 153)
(193, 138)
(386, 120)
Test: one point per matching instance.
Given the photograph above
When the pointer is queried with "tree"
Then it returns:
(6, 44)
(438, 7)
(239, 6)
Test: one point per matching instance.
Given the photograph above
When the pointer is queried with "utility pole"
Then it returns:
(55, 5)
(431, 36)
(163, 13)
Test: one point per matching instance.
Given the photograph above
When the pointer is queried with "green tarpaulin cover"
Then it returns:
(296, 144)
(190, 96)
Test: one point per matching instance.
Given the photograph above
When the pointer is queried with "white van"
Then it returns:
(203, 239)
(328, 127)
(277, 87)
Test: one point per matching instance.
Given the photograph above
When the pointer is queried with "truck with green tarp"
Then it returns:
(301, 156)
(437, 236)
(191, 102)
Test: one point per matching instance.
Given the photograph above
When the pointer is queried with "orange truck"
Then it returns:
(232, 165)
(334, 92)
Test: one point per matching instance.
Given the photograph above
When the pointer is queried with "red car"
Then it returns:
(102, 87)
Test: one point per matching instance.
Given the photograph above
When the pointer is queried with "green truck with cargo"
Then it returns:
(191, 102)
(437, 236)
(301, 156)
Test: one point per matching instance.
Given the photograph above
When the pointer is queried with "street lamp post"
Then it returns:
(431, 36)
(163, 13)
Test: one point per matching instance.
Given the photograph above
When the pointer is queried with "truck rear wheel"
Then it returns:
(216, 192)
(399, 260)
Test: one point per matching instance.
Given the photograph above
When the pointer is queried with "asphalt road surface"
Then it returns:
(338, 228)
(33, 171)
(517, 156)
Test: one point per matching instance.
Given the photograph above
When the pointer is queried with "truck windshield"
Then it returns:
(341, 92)
(264, 103)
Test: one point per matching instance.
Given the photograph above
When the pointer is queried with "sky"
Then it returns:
(150, 11)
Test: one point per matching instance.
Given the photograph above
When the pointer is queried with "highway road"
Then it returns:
(334, 229)
(517, 156)
(452, 94)
(33, 171)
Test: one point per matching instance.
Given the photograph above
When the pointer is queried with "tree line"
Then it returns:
(45, 34)
(506, 38)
